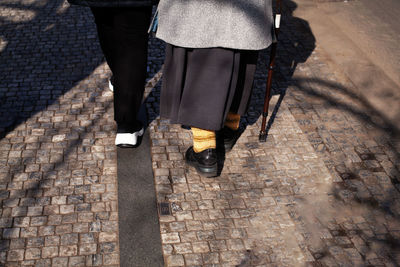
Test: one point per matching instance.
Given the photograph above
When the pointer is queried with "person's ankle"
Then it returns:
(129, 127)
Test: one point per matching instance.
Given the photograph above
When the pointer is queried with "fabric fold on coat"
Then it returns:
(200, 86)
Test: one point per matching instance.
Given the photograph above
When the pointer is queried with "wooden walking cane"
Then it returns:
(263, 133)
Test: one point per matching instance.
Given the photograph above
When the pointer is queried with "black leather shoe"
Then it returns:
(205, 161)
(230, 137)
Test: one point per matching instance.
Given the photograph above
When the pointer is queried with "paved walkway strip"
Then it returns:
(140, 243)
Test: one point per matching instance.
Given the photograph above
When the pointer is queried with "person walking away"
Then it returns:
(211, 55)
(122, 30)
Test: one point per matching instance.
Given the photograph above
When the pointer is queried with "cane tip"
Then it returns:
(262, 137)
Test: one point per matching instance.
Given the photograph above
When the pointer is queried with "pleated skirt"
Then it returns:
(201, 85)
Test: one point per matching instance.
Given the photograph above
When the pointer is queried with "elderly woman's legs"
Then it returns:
(206, 89)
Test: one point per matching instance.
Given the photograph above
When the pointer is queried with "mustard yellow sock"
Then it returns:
(203, 139)
(232, 121)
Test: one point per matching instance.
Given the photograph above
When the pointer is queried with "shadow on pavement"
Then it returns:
(47, 49)
(296, 43)
(369, 188)
(44, 56)
(353, 195)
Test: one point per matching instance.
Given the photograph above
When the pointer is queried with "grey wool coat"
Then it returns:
(237, 24)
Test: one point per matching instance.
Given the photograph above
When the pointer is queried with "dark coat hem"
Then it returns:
(115, 3)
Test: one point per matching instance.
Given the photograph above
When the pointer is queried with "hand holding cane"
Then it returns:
(263, 133)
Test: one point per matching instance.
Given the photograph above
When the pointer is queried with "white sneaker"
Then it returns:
(128, 140)
(110, 85)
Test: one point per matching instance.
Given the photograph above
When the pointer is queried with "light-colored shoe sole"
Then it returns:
(128, 139)
(110, 86)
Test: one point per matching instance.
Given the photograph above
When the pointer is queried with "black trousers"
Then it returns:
(123, 39)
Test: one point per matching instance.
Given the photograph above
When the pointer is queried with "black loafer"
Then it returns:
(230, 137)
(205, 161)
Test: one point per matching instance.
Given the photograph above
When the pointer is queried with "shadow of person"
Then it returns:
(296, 43)
(46, 48)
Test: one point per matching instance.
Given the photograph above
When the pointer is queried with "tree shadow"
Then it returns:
(47, 48)
(44, 56)
(373, 188)
(296, 43)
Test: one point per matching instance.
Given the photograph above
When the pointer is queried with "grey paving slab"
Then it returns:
(140, 243)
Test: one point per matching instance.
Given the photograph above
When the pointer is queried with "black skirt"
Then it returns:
(201, 85)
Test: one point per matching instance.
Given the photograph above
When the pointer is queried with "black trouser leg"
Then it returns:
(104, 18)
(123, 39)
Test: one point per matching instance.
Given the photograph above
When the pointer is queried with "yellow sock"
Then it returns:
(203, 139)
(232, 121)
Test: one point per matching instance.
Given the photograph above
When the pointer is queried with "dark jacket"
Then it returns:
(113, 3)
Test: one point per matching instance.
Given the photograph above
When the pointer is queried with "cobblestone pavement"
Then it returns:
(322, 191)
(58, 185)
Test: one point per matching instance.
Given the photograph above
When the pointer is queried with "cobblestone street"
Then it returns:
(322, 191)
